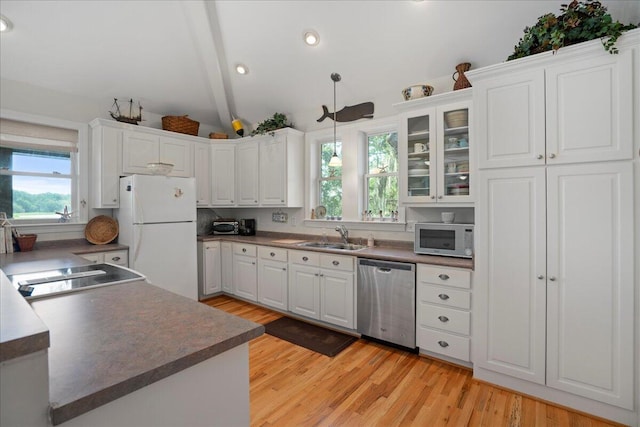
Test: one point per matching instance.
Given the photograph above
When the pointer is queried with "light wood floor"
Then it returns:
(370, 384)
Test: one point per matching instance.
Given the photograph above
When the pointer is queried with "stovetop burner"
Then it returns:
(52, 282)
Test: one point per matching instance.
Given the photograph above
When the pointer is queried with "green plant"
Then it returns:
(579, 21)
(278, 121)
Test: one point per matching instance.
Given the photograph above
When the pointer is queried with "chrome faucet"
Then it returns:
(344, 233)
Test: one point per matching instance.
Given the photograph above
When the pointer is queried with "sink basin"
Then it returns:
(333, 246)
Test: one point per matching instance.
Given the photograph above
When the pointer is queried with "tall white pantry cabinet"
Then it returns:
(556, 280)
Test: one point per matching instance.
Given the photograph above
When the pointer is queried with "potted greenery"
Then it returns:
(278, 121)
(579, 21)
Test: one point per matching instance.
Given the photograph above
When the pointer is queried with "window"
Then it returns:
(330, 182)
(381, 178)
(38, 167)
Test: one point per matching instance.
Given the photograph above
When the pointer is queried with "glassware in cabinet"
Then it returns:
(455, 158)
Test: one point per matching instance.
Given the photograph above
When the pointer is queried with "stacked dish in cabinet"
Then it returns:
(419, 156)
(443, 312)
(456, 152)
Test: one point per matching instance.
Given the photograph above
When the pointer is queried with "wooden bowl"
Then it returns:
(101, 230)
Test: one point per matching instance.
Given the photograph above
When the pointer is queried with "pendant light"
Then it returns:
(335, 161)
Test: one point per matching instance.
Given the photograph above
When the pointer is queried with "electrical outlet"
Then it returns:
(411, 226)
(279, 217)
(293, 220)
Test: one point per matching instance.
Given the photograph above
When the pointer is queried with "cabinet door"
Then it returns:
(106, 147)
(245, 277)
(509, 292)
(201, 171)
(590, 109)
(273, 171)
(452, 148)
(416, 151)
(509, 123)
(590, 288)
(336, 298)
(223, 161)
(226, 257)
(272, 283)
(212, 266)
(138, 150)
(179, 153)
(247, 173)
(304, 292)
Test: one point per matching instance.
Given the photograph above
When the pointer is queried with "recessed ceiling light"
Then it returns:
(242, 69)
(5, 24)
(311, 38)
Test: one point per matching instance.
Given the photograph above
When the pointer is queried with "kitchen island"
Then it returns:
(127, 354)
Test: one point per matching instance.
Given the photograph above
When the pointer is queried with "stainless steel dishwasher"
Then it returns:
(387, 301)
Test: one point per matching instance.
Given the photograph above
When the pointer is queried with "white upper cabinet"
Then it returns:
(563, 108)
(106, 160)
(223, 167)
(179, 153)
(247, 177)
(201, 166)
(281, 169)
(140, 149)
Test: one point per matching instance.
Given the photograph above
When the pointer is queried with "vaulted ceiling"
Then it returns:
(178, 57)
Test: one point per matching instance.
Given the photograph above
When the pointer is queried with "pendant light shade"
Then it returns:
(335, 161)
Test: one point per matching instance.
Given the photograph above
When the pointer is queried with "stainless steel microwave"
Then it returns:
(436, 238)
(225, 227)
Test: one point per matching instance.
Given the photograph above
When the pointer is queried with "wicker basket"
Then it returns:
(180, 124)
(101, 230)
(217, 135)
(26, 241)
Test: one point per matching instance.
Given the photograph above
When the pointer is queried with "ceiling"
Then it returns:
(178, 57)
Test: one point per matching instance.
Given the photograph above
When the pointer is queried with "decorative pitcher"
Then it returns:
(461, 82)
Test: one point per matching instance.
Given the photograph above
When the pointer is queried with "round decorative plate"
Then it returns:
(101, 230)
(321, 211)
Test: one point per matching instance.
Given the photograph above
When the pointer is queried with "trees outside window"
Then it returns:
(381, 177)
(330, 182)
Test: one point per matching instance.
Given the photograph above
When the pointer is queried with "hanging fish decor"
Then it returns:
(350, 113)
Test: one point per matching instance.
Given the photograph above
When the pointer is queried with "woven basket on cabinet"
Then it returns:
(180, 124)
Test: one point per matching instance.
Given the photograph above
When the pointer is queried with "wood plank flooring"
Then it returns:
(370, 384)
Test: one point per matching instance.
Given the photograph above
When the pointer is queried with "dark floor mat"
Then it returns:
(321, 340)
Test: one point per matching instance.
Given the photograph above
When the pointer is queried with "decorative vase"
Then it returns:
(461, 82)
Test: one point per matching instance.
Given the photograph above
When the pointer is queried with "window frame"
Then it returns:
(322, 179)
(79, 173)
(368, 174)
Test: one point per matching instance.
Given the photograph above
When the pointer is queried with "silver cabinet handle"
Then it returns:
(253, 263)
(321, 275)
(540, 276)
(115, 200)
(305, 259)
(552, 156)
(115, 258)
(272, 254)
(284, 269)
(439, 197)
(433, 197)
(443, 297)
(552, 278)
(443, 276)
(443, 344)
(316, 275)
(232, 201)
(539, 156)
(443, 319)
(336, 262)
(244, 249)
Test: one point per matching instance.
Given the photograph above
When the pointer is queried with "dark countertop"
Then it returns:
(108, 342)
(384, 250)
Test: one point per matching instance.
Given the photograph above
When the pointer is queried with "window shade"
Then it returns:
(32, 136)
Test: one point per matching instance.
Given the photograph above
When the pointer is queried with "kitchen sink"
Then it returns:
(333, 246)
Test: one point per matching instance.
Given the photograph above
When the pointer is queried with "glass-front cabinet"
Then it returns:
(433, 146)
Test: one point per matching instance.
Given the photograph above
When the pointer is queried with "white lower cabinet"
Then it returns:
(226, 257)
(245, 271)
(443, 311)
(120, 257)
(322, 287)
(209, 271)
(272, 277)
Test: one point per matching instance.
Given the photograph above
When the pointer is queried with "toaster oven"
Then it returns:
(225, 227)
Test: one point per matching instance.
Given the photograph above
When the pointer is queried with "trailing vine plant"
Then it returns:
(278, 121)
(579, 21)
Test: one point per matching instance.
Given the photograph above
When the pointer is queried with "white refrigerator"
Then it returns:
(157, 220)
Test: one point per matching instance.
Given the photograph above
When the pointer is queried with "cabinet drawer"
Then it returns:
(448, 319)
(443, 343)
(444, 296)
(95, 258)
(448, 276)
(337, 262)
(242, 249)
(117, 257)
(276, 254)
(305, 258)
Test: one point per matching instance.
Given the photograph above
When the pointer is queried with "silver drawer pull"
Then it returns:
(115, 258)
(443, 276)
(443, 344)
(336, 263)
(443, 319)
(244, 249)
(443, 297)
(272, 254)
(305, 258)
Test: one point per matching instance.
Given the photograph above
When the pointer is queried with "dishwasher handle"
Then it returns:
(389, 265)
